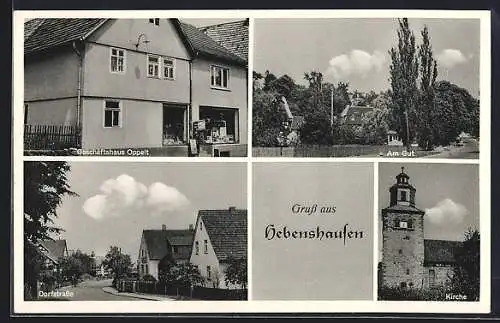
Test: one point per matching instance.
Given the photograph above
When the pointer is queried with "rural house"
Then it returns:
(219, 236)
(409, 260)
(52, 251)
(133, 83)
(161, 247)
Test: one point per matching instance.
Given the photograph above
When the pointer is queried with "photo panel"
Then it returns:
(429, 234)
(408, 88)
(134, 231)
(312, 231)
(136, 87)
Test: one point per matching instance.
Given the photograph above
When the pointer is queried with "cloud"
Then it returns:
(357, 62)
(124, 196)
(451, 57)
(446, 212)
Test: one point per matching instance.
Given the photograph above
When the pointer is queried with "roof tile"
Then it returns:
(227, 230)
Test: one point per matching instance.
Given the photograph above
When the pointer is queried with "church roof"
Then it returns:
(440, 251)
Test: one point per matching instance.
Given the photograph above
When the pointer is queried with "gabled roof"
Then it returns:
(42, 34)
(56, 248)
(440, 251)
(199, 43)
(53, 32)
(232, 35)
(227, 230)
(157, 241)
(353, 114)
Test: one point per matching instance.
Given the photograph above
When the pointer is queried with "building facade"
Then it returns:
(219, 236)
(159, 247)
(408, 259)
(135, 83)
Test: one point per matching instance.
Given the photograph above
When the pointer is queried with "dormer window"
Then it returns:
(155, 21)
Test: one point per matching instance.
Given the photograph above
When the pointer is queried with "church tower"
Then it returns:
(403, 237)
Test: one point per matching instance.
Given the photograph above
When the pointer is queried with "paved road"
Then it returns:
(91, 290)
(470, 150)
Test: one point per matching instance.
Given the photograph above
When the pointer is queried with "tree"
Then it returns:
(86, 260)
(456, 111)
(267, 119)
(71, 267)
(182, 274)
(236, 272)
(403, 78)
(118, 263)
(45, 185)
(426, 110)
(466, 272)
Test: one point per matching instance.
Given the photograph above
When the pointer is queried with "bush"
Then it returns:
(412, 294)
(148, 278)
(48, 281)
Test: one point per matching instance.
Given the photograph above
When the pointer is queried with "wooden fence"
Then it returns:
(320, 151)
(51, 137)
(197, 292)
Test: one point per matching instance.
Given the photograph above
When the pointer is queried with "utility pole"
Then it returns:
(331, 111)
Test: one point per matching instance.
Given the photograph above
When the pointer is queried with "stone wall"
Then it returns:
(402, 251)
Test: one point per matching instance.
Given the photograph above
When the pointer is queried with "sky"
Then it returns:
(451, 202)
(118, 200)
(356, 50)
(312, 269)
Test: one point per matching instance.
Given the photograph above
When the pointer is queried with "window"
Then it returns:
(153, 66)
(209, 273)
(168, 68)
(205, 246)
(201, 225)
(407, 271)
(403, 284)
(410, 224)
(197, 247)
(174, 120)
(219, 77)
(432, 277)
(400, 251)
(147, 269)
(26, 113)
(403, 196)
(117, 61)
(175, 249)
(221, 125)
(112, 114)
(155, 21)
(403, 224)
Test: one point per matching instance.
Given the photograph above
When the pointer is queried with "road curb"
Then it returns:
(111, 290)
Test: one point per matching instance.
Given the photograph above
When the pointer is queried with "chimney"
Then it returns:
(163, 227)
(232, 208)
(191, 228)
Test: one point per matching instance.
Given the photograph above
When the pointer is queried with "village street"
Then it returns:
(91, 290)
(469, 150)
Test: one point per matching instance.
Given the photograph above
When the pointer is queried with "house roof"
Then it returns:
(43, 34)
(56, 248)
(227, 230)
(232, 35)
(440, 251)
(200, 43)
(157, 241)
(353, 114)
(403, 208)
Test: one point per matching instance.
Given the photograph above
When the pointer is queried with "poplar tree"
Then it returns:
(403, 78)
(426, 110)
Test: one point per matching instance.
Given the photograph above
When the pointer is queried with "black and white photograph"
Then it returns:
(134, 231)
(429, 232)
(136, 87)
(369, 87)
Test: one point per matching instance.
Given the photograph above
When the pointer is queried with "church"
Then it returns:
(408, 259)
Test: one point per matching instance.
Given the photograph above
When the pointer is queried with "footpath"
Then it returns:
(149, 297)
